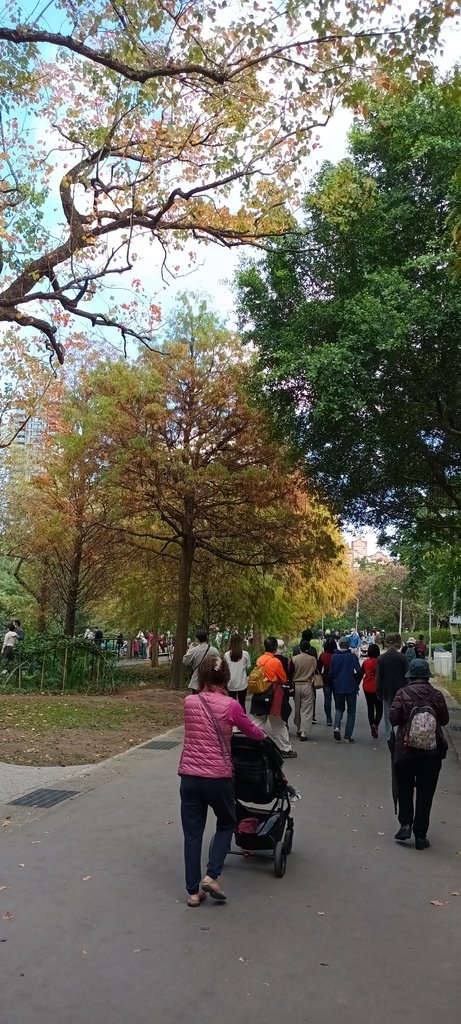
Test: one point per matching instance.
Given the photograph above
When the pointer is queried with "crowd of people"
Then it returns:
(396, 685)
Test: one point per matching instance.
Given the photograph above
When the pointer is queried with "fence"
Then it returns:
(59, 663)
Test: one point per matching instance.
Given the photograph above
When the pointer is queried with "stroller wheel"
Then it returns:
(280, 859)
(288, 841)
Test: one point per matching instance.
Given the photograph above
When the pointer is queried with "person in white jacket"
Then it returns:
(239, 663)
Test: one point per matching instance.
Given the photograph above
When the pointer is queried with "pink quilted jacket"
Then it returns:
(202, 753)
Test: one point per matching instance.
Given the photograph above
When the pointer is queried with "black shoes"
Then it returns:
(421, 844)
(337, 734)
(403, 833)
(288, 753)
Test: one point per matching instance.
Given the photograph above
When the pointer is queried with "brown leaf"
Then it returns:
(8, 916)
(436, 903)
(454, 893)
(3, 887)
(86, 878)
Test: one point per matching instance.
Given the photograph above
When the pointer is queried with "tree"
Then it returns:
(190, 459)
(358, 325)
(55, 520)
(168, 122)
(379, 589)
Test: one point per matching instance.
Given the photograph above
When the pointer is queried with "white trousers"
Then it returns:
(277, 730)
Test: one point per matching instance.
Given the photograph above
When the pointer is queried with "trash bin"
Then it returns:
(445, 663)
(437, 662)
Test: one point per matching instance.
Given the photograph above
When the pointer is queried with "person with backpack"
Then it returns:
(374, 704)
(419, 711)
(268, 712)
(409, 649)
(195, 655)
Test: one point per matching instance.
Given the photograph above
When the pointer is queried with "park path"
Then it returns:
(100, 933)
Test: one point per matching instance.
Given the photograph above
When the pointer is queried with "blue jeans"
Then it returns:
(197, 795)
(341, 699)
(327, 695)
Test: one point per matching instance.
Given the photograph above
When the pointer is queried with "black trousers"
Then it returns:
(420, 773)
(374, 708)
(239, 695)
(197, 795)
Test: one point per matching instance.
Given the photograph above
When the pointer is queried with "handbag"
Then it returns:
(261, 703)
(317, 681)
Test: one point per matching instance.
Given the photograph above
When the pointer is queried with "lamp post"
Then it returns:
(400, 609)
(357, 614)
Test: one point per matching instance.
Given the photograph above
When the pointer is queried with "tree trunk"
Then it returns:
(155, 628)
(257, 639)
(74, 585)
(42, 608)
(186, 562)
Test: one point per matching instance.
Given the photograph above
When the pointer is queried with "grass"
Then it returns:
(453, 687)
(42, 713)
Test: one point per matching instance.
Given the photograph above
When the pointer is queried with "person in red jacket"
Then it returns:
(374, 704)
(205, 768)
(417, 764)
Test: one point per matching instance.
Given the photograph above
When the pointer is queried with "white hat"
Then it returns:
(280, 645)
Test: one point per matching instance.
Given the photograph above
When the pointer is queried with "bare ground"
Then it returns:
(66, 730)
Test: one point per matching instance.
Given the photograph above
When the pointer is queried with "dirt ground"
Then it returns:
(64, 730)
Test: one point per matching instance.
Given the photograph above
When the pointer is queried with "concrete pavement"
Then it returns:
(100, 934)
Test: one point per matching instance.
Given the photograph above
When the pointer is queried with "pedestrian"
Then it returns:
(18, 629)
(346, 673)
(271, 717)
(390, 675)
(98, 636)
(374, 703)
(196, 653)
(409, 650)
(419, 711)
(421, 648)
(324, 668)
(288, 690)
(354, 642)
(119, 643)
(9, 643)
(239, 663)
(302, 671)
(89, 635)
(205, 768)
(135, 648)
(306, 635)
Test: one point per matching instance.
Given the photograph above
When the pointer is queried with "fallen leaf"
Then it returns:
(324, 965)
(21, 865)
(169, 822)
(83, 952)
(8, 916)
(381, 833)
(86, 878)
(436, 903)
(243, 959)
(454, 893)
(36, 842)
(3, 887)
(320, 913)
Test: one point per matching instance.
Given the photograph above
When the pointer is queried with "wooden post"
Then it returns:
(64, 671)
(42, 677)
(19, 675)
(98, 660)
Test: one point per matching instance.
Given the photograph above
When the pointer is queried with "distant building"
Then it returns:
(357, 551)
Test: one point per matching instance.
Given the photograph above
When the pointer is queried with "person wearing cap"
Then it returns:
(390, 675)
(409, 650)
(417, 769)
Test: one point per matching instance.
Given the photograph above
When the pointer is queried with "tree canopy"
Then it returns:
(358, 325)
(165, 123)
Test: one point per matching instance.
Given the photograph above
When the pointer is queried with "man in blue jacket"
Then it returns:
(346, 672)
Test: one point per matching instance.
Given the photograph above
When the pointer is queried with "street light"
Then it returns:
(357, 614)
(400, 610)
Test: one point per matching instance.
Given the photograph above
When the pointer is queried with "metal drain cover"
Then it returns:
(160, 745)
(43, 798)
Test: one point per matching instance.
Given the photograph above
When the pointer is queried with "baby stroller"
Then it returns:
(259, 779)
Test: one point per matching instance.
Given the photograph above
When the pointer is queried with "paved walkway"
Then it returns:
(99, 932)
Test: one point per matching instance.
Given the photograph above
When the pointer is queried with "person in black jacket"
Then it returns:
(418, 768)
(390, 675)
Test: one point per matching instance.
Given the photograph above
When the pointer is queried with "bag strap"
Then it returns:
(203, 657)
(212, 719)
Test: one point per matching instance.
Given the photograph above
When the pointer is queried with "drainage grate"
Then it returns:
(454, 728)
(161, 745)
(43, 798)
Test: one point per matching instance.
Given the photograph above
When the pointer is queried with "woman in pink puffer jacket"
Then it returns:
(205, 768)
